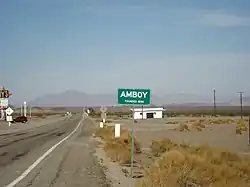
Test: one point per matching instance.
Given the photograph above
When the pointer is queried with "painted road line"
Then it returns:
(40, 159)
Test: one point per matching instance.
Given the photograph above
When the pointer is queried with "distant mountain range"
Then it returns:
(77, 99)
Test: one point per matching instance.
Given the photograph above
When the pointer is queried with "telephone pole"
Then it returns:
(214, 102)
(241, 104)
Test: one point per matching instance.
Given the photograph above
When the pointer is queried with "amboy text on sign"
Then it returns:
(134, 96)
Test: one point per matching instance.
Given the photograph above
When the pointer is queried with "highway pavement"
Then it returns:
(56, 154)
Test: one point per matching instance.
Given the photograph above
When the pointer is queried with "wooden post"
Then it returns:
(249, 130)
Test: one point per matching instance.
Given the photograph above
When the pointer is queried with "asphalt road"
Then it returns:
(70, 163)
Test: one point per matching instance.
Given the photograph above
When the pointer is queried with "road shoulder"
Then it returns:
(72, 164)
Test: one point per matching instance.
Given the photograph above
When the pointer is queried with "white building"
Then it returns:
(146, 113)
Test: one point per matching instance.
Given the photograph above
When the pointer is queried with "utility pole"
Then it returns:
(241, 104)
(25, 108)
(249, 130)
(21, 110)
(30, 112)
(215, 103)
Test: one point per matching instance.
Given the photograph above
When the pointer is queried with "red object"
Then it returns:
(21, 119)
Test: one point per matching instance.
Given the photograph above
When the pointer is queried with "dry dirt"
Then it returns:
(215, 135)
(219, 134)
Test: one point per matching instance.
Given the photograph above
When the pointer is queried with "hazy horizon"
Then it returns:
(95, 47)
(76, 98)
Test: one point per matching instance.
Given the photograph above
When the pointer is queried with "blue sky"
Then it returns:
(169, 46)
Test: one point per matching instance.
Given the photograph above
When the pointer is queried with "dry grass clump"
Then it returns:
(241, 127)
(241, 122)
(197, 167)
(172, 122)
(198, 125)
(118, 149)
(158, 147)
(161, 146)
(182, 128)
(220, 121)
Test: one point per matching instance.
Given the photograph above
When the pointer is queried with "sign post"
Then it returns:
(9, 111)
(103, 113)
(4, 95)
(133, 97)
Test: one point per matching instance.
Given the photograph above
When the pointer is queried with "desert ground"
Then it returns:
(220, 133)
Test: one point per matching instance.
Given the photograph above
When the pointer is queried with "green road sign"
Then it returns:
(133, 96)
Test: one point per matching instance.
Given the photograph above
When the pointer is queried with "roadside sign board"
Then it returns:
(4, 103)
(9, 118)
(126, 96)
(133, 96)
(9, 111)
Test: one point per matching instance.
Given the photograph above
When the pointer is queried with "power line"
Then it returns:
(241, 104)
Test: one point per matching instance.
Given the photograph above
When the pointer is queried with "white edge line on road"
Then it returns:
(40, 159)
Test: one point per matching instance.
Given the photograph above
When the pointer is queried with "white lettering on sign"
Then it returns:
(133, 94)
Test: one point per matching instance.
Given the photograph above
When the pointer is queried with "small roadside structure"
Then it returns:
(147, 113)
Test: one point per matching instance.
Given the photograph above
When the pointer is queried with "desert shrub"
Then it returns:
(118, 149)
(220, 121)
(172, 122)
(160, 146)
(198, 125)
(241, 126)
(182, 128)
(197, 166)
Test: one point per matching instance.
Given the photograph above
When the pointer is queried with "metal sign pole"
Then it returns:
(142, 117)
(2, 116)
(132, 142)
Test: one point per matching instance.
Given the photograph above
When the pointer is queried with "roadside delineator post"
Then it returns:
(9, 119)
(101, 124)
(117, 130)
